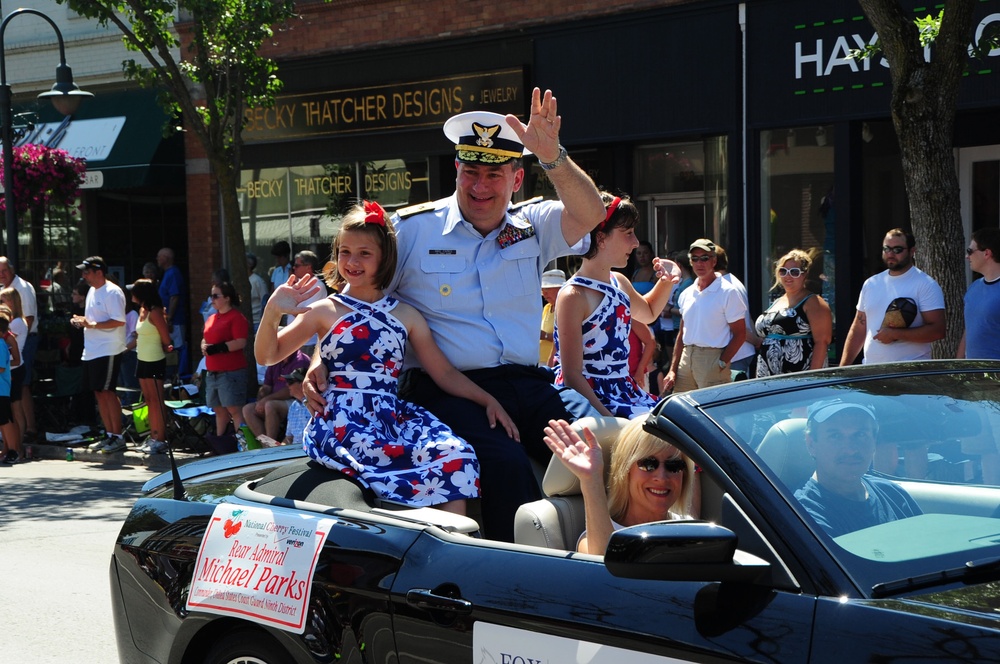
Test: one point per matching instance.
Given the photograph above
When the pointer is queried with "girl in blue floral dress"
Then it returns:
(594, 319)
(396, 448)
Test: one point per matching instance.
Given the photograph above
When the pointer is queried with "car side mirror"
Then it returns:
(681, 551)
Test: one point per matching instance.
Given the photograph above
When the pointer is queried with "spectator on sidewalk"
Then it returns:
(298, 414)
(981, 338)
(103, 323)
(282, 268)
(29, 307)
(713, 325)
(173, 294)
(269, 411)
(224, 338)
(258, 290)
(307, 262)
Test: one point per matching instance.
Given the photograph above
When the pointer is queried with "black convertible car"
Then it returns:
(261, 558)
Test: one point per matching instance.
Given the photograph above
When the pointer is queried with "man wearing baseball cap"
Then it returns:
(712, 325)
(103, 323)
(840, 496)
(472, 265)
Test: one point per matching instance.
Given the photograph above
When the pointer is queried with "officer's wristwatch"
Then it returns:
(548, 166)
(722, 364)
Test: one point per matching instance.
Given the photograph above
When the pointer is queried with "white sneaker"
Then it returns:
(114, 444)
(156, 447)
(144, 448)
(99, 445)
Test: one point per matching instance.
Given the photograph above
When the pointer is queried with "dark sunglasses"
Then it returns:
(789, 271)
(650, 464)
(970, 251)
(896, 250)
(216, 296)
(704, 258)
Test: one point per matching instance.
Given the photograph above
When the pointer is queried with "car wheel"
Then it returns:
(246, 647)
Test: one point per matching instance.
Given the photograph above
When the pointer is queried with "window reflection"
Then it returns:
(303, 204)
(798, 206)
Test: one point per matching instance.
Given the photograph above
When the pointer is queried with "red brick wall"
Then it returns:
(346, 25)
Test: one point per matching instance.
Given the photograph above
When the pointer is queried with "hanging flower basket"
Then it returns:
(44, 177)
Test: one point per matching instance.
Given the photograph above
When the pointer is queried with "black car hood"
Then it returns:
(226, 463)
(976, 604)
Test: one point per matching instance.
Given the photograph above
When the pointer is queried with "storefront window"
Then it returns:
(45, 245)
(797, 205)
(684, 190)
(303, 204)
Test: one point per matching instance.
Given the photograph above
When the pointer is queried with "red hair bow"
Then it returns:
(374, 214)
(615, 202)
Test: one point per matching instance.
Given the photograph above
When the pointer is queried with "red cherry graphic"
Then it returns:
(230, 528)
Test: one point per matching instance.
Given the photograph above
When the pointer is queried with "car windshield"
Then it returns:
(901, 473)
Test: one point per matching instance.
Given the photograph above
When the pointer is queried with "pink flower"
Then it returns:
(45, 177)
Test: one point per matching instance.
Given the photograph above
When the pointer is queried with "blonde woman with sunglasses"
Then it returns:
(795, 331)
(649, 480)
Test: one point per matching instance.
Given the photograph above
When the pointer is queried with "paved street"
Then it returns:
(59, 522)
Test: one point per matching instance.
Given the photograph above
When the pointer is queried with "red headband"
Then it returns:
(374, 214)
(615, 202)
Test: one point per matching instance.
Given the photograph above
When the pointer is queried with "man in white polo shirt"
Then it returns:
(712, 325)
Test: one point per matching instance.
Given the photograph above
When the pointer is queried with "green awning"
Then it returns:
(120, 134)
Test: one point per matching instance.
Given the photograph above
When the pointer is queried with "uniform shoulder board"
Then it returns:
(530, 201)
(415, 209)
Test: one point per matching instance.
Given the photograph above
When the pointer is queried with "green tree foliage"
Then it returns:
(219, 73)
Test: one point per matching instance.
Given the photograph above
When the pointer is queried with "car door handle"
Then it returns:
(428, 600)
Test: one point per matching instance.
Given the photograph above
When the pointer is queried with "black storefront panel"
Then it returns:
(799, 69)
(668, 73)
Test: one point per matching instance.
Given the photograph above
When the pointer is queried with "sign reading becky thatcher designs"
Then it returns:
(258, 564)
(377, 108)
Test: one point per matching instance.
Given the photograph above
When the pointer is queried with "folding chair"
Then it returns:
(135, 423)
(188, 425)
(53, 398)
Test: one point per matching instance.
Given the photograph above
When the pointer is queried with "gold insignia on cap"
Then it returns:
(485, 134)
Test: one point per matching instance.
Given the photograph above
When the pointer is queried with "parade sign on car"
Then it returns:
(258, 564)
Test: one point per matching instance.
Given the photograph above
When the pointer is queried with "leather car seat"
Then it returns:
(557, 521)
(783, 449)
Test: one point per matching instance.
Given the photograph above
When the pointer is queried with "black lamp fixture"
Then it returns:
(66, 97)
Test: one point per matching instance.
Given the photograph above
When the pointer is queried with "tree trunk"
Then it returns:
(236, 247)
(924, 97)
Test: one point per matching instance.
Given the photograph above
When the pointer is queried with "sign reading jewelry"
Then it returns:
(258, 564)
(376, 108)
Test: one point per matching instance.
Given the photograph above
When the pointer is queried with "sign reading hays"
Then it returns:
(258, 564)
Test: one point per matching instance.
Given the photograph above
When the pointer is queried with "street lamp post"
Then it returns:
(66, 97)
